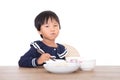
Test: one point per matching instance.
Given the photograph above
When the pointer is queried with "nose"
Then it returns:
(52, 28)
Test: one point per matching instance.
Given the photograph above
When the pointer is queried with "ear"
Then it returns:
(39, 32)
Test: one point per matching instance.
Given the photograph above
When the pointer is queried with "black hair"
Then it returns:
(43, 17)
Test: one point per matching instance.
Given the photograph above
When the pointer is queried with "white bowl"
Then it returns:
(87, 65)
(60, 66)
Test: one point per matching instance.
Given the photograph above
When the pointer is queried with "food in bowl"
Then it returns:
(57, 61)
(87, 65)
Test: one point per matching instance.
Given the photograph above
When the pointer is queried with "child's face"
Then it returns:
(50, 29)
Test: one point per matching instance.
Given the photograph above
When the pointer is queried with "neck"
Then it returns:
(49, 43)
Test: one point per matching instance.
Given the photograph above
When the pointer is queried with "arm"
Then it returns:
(29, 59)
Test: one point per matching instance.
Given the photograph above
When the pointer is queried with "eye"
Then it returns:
(46, 26)
(55, 25)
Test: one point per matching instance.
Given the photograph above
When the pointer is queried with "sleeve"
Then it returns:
(29, 59)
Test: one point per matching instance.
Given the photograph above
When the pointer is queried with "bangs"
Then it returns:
(46, 19)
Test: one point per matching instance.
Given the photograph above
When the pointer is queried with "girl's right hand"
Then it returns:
(43, 58)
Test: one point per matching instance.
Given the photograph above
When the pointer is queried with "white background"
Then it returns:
(91, 26)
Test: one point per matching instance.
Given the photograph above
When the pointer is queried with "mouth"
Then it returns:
(53, 34)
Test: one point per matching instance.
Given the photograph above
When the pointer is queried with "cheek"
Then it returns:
(57, 33)
(58, 30)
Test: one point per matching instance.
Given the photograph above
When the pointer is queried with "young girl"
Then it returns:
(48, 25)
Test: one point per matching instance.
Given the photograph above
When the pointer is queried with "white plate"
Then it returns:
(61, 68)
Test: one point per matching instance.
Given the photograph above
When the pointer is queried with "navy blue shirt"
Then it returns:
(29, 59)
